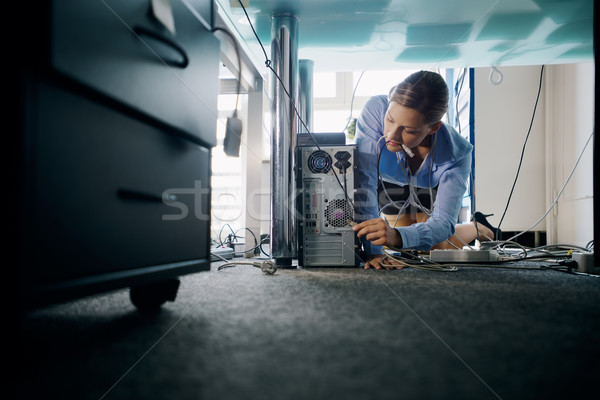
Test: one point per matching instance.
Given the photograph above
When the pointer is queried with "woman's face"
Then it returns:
(404, 125)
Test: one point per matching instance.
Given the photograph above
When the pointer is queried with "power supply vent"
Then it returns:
(319, 162)
(338, 212)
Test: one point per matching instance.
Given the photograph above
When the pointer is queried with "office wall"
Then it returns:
(562, 125)
(502, 118)
(570, 122)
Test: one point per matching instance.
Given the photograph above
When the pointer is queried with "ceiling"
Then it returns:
(343, 35)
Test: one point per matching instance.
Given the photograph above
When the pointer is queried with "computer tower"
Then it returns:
(325, 182)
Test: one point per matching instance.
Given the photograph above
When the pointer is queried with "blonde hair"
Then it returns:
(424, 91)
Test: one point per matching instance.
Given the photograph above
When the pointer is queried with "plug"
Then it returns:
(268, 267)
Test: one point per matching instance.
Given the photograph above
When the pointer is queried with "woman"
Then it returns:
(413, 171)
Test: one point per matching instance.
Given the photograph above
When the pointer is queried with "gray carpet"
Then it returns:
(478, 333)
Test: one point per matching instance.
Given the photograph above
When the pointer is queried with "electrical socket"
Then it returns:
(585, 262)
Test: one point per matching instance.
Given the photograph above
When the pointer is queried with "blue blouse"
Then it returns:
(448, 171)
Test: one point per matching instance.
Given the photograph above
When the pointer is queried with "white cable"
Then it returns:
(268, 267)
(413, 198)
(352, 101)
(559, 193)
(218, 256)
(424, 265)
(408, 151)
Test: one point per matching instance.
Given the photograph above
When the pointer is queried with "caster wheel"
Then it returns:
(150, 297)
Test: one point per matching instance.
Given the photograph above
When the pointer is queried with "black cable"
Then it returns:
(268, 64)
(523, 150)
(252, 233)
(233, 237)
(382, 182)
(242, 237)
(267, 237)
(590, 246)
(380, 179)
(409, 182)
(221, 231)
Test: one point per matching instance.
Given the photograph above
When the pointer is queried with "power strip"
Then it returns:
(463, 256)
(222, 251)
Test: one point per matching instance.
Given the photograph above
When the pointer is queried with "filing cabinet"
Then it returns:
(116, 125)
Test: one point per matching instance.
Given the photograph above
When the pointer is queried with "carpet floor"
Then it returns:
(324, 333)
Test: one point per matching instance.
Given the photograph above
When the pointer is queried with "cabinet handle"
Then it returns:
(140, 31)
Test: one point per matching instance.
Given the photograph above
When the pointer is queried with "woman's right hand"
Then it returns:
(379, 232)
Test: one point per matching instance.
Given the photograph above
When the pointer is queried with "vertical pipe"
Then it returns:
(305, 95)
(284, 55)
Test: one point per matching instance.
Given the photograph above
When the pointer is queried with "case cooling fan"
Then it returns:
(338, 212)
(319, 162)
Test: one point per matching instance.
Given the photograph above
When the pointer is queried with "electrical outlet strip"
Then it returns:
(463, 256)
(223, 251)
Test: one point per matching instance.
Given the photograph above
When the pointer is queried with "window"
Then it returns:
(226, 185)
(369, 83)
(324, 85)
(340, 96)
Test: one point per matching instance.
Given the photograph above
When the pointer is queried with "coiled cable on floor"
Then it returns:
(268, 266)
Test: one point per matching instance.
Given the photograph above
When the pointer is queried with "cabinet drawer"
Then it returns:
(109, 193)
(113, 46)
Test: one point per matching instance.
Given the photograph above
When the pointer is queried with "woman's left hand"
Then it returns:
(380, 261)
(379, 233)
